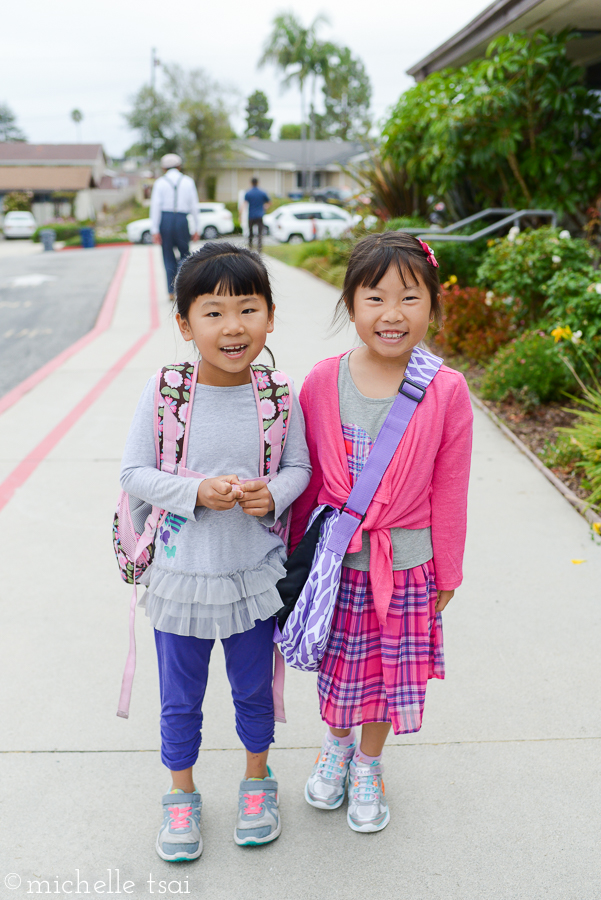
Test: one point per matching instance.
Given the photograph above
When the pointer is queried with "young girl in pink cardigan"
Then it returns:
(405, 561)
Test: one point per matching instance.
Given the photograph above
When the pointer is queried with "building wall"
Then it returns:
(275, 182)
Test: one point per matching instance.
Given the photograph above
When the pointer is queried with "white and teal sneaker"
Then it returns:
(179, 836)
(327, 782)
(258, 815)
(367, 806)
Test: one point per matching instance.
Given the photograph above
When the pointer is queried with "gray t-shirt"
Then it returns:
(214, 573)
(362, 417)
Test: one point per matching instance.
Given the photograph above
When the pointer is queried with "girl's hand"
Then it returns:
(443, 598)
(257, 499)
(219, 493)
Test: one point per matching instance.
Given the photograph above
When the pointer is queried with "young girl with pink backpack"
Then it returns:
(389, 418)
(215, 455)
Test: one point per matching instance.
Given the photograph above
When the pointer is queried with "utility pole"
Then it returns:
(154, 62)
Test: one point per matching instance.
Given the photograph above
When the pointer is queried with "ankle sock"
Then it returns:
(342, 741)
(364, 760)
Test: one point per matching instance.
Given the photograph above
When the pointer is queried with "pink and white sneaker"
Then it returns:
(179, 836)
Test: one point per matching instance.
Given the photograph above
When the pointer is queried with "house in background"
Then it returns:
(65, 179)
(279, 166)
(60, 176)
(506, 16)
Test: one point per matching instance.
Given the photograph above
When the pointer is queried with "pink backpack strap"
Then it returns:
(272, 394)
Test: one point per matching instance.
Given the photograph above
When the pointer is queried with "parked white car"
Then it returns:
(213, 219)
(298, 222)
(19, 225)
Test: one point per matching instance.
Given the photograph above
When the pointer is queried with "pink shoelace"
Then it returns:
(180, 816)
(253, 804)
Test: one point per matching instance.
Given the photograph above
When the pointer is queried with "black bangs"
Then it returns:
(376, 269)
(221, 269)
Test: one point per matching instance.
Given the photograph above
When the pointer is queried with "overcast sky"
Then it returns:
(95, 56)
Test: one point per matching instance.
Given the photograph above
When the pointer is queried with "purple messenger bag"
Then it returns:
(313, 571)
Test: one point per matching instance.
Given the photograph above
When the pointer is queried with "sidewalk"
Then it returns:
(497, 797)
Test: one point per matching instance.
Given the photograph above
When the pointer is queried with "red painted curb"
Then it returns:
(97, 246)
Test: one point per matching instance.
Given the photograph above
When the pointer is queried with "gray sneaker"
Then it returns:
(258, 815)
(367, 807)
(179, 836)
(327, 782)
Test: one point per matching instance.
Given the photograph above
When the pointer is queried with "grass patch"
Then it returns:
(326, 259)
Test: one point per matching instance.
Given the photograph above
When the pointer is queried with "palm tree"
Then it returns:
(297, 53)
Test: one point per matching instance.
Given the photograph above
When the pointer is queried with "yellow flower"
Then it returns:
(559, 333)
(578, 561)
(597, 527)
(490, 242)
(453, 279)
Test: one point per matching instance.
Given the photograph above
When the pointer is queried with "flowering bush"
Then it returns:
(529, 369)
(574, 301)
(518, 267)
(475, 324)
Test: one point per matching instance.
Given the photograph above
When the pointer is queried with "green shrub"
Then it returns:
(401, 222)
(475, 326)
(586, 435)
(63, 231)
(459, 259)
(529, 370)
(520, 265)
(574, 300)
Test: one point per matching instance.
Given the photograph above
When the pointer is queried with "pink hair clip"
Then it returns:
(429, 253)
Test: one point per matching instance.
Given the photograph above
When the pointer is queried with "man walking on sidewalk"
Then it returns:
(257, 201)
(173, 197)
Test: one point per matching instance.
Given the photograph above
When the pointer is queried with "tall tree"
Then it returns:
(153, 116)
(77, 117)
(296, 52)
(8, 127)
(518, 128)
(347, 97)
(190, 116)
(257, 123)
(290, 132)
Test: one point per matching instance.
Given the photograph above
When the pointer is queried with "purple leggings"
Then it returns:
(183, 674)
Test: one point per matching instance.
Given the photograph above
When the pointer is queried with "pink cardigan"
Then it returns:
(425, 484)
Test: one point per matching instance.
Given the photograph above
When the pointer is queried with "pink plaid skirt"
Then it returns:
(371, 673)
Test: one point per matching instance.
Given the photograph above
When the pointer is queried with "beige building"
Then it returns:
(279, 166)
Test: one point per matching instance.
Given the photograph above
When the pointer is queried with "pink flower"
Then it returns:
(170, 402)
(278, 378)
(267, 409)
(173, 379)
(284, 403)
(182, 412)
(262, 380)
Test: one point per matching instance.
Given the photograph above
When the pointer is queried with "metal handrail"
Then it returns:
(490, 229)
(495, 211)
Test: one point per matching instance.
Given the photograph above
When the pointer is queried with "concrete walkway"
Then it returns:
(497, 797)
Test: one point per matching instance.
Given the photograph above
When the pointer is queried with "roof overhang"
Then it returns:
(44, 178)
(505, 16)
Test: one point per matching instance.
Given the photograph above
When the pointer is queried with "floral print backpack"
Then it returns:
(136, 522)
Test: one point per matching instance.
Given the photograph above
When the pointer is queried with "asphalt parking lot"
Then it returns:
(47, 302)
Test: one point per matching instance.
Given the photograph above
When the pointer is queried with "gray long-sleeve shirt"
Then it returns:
(214, 572)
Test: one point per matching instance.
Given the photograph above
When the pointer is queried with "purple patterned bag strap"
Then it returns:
(420, 371)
